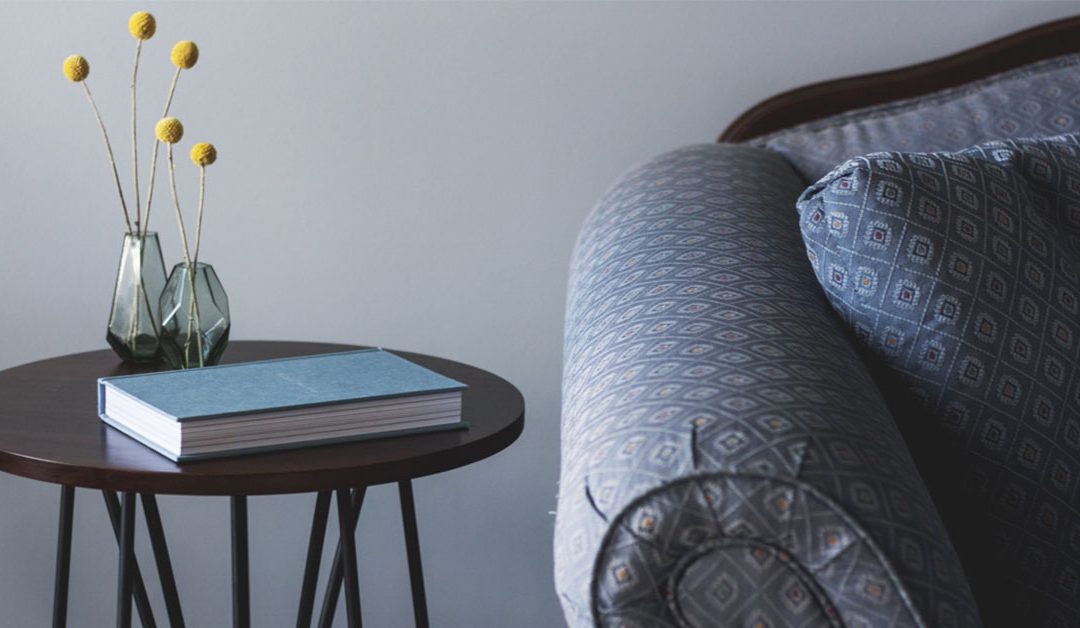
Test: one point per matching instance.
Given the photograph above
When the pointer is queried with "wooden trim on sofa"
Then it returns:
(827, 98)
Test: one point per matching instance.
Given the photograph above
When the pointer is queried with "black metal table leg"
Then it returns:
(241, 590)
(161, 558)
(346, 523)
(142, 601)
(63, 556)
(314, 557)
(127, 559)
(412, 550)
(333, 583)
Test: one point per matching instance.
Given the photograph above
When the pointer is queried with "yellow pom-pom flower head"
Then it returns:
(76, 68)
(185, 54)
(203, 154)
(169, 130)
(142, 25)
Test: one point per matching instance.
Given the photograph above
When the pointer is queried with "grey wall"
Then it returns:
(409, 175)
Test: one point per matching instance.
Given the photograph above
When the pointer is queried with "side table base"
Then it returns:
(63, 557)
(241, 580)
(130, 581)
(314, 557)
(333, 583)
(343, 570)
(346, 554)
(347, 519)
(412, 550)
(127, 561)
(161, 558)
(142, 601)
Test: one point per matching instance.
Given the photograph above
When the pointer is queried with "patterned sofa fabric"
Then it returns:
(726, 457)
(958, 271)
(1040, 99)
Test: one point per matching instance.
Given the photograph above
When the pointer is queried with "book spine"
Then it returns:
(101, 398)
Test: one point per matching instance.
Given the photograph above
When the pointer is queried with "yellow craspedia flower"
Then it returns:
(185, 54)
(142, 25)
(169, 130)
(203, 154)
(76, 68)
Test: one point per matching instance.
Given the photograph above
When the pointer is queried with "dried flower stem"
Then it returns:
(198, 219)
(176, 202)
(108, 147)
(193, 306)
(172, 90)
(150, 187)
(153, 160)
(134, 137)
(193, 322)
(133, 325)
(135, 179)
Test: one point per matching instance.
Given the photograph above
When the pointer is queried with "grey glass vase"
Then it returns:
(194, 312)
(133, 321)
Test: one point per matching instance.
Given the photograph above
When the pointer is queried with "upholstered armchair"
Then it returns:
(730, 454)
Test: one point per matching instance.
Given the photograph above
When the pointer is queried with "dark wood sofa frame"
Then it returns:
(827, 98)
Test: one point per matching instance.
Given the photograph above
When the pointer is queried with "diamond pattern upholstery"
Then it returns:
(1037, 100)
(958, 272)
(726, 456)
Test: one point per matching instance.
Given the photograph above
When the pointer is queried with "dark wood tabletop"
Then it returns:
(50, 431)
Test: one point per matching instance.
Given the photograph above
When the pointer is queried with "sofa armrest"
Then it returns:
(726, 457)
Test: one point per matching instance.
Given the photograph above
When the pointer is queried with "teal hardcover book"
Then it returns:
(277, 404)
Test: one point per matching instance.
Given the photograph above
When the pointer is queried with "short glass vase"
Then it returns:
(194, 312)
(133, 322)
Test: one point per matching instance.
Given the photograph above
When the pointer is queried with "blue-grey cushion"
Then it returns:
(958, 273)
(726, 457)
(1037, 100)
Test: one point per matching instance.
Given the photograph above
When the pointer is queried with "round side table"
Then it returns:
(49, 431)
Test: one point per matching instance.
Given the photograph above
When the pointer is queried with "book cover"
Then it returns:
(288, 383)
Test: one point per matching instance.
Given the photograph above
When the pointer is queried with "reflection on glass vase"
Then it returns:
(133, 325)
(194, 312)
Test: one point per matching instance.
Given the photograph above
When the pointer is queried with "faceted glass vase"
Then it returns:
(194, 311)
(133, 322)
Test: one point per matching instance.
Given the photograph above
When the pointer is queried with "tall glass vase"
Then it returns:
(194, 313)
(133, 322)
